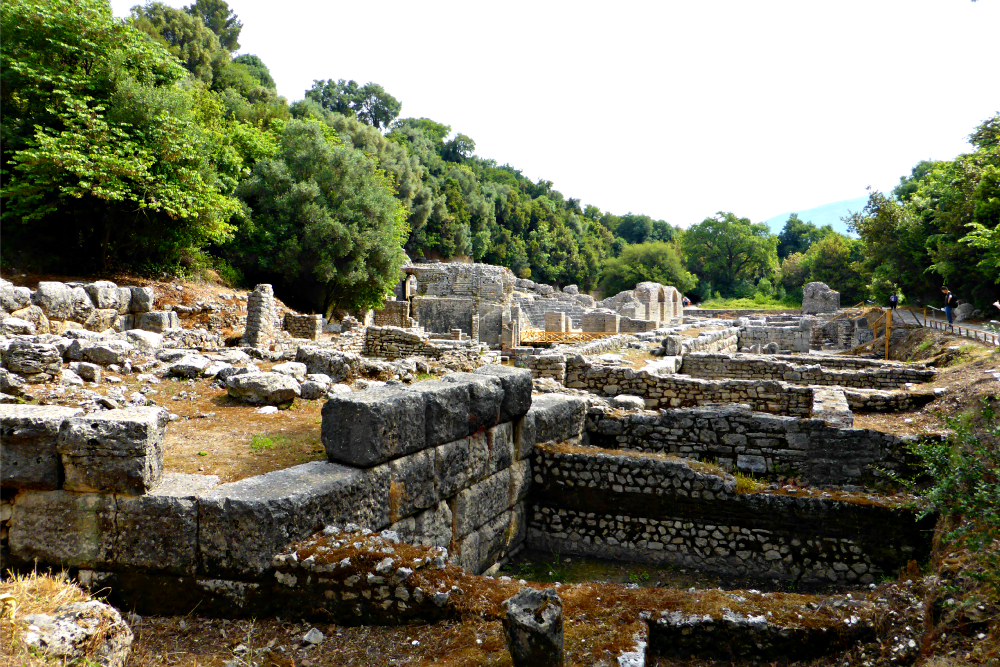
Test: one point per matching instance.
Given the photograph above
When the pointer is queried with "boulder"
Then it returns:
(962, 312)
(89, 632)
(571, 289)
(190, 366)
(819, 298)
(36, 362)
(146, 342)
(312, 391)
(10, 384)
(55, 299)
(71, 378)
(13, 298)
(119, 451)
(87, 371)
(142, 299)
(293, 369)
(34, 315)
(16, 326)
(108, 352)
(533, 627)
(339, 366)
(108, 296)
(263, 388)
(157, 320)
(627, 402)
(101, 319)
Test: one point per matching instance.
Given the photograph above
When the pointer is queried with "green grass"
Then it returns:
(758, 303)
(426, 376)
(262, 443)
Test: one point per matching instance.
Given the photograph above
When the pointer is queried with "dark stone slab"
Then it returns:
(29, 435)
(370, 427)
(516, 384)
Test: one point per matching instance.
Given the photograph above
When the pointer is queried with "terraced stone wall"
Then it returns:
(794, 338)
(645, 508)
(752, 442)
(754, 367)
(719, 340)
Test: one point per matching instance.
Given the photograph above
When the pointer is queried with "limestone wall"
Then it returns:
(260, 317)
(754, 367)
(393, 314)
(485, 319)
(396, 343)
(753, 442)
(304, 326)
(794, 338)
(719, 340)
(672, 391)
(642, 508)
(455, 280)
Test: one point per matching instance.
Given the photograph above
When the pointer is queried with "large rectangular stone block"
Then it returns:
(485, 398)
(554, 418)
(242, 525)
(516, 383)
(500, 439)
(29, 435)
(64, 529)
(412, 484)
(479, 503)
(460, 463)
(447, 416)
(119, 451)
(366, 428)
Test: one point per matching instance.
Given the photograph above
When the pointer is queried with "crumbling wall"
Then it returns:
(394, 314)
(308, 327)
(793, 338)
(260, 317)
(761, 444)
(472, 281)
(719, 340)
(753, 367)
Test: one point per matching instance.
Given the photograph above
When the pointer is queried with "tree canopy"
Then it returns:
(370, 103)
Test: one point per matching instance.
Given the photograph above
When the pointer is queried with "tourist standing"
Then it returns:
(950, 301)
(893, 300)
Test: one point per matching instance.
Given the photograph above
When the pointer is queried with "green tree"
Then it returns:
(322, 222)
(370, 103)
(184, 36)
(106, 161)
(256, 67)
(797, 235)
(220, 19)
(836, 261)
(726, 249)
(657, 262)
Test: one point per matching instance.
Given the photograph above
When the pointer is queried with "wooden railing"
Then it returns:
(538, 336)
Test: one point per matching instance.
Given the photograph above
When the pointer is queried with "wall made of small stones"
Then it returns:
(393, 314)
(753, 442)
(396, 343)
(794, 338)
(754, 367)
(672, 391)
(647, 509)
(720, 340)
(308, 327)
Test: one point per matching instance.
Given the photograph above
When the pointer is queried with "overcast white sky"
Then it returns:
(673, 109)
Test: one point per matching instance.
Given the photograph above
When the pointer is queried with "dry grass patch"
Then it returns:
(32, 593)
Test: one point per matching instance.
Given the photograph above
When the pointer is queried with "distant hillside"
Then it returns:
(827, 214)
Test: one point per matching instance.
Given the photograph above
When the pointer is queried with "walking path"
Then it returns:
(965, 329)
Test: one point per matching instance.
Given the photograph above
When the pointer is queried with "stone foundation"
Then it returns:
(308, 327)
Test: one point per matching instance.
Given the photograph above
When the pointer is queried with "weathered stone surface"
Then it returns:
(108, 352)
(516, 383)
(63, 528)
(10, 384)
(339, 366)
(627, 402)
(89, 632)
(101, 319)
(69, 377)
(29, 435)
(34, 361)
(108, 296)
(312, 391)
(485, 398)
(460, 463)
(146, 342)
(117, 450)
(557, 417)
(157, 320)
(481, 502)
(263, 388)
(293, 369)
(15, 326)
(447, 410)
(35, 316)
(87, 371)
(190, 366)
(817, 297)
(369, 427)
(533, 626)
(431, 528)
(142, 299)
(55, 299)
(413, 484)
(244, 524)
(13, 298)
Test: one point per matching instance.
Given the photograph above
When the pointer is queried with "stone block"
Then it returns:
(485, 398)
(145, 342)
(142, 299)
(15, 326)
(33, 361)
(412, 484)
(447, 410)
(293, 369)
(242, 525)
(55, 299)
(108, 352)
(520, 481)
(500, 439)
(479, 503)
(29, 435)
(157, 320)
(13, 298)
(431, 528)
(190, 366)
(101, 319)
(117, 450)
(370, 427)
(33, 315)
(516, 383)
(460, 463)
(108, 296)
(557, 417)
(263, 388)
(63, 528)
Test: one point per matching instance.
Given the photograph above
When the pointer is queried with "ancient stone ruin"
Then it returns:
(819, 298)
(442, 462)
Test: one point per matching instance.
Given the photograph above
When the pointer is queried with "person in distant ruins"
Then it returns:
(950, 301)
(686, 301)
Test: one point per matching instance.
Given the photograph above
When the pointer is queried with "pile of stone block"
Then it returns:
(99, 306)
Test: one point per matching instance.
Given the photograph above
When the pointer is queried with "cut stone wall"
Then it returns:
(601, 321)
(794, 338)
(304, 326)
(394, 314)
(396, 343)
(455, 280)
(753, 442)
(666, 391)
(650, 509)
(720, 340)
(441, 315)
(753, 367)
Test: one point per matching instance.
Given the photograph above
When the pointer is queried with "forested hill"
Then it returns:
(151, 145)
